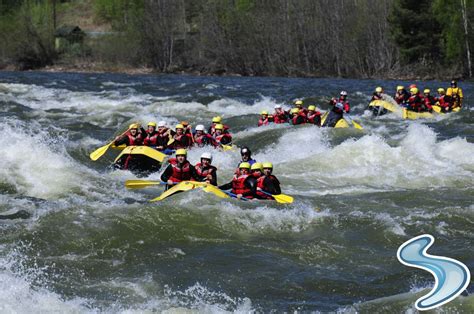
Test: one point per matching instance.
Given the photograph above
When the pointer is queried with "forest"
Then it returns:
(327, 38)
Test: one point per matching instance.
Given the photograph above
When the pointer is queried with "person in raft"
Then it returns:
(268, 183)
(243, 184)
(133, 137)
(179, 169)
(205, 172)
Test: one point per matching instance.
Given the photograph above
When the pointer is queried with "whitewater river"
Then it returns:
(90, 245)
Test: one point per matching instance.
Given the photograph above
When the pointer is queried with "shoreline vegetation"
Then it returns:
(373, 39)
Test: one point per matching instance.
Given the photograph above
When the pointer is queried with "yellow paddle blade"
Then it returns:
(140, 184)
(228, 147)
(283, 198)
(180, 187)
(404, 113)
(437, 109)
(209, 188)
(357, 125)
(99, 152)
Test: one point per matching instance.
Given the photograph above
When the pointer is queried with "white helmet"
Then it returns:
(162, 124)
(343, 93)
(206, 156)
(199, 127)
(277, 107)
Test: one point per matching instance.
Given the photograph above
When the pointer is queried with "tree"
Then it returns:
(415, 30)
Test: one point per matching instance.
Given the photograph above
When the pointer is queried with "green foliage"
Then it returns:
(448, 13)
(120, 13)
(415, 30)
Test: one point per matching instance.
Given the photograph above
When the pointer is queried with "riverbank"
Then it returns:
(98, 67)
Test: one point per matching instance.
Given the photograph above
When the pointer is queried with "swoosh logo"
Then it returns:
(451, 276)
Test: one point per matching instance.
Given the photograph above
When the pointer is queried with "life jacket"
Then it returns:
(201, 140)
(133, 141)
(376, 96)
(429, 102)
(455, 94)
(345, 105)
(204, 172)
(314, 118)
(219, 138)
(263, 121)
(181, 141)
(441, 101)
(415, 102)
(182, 173)
(280, 117)
(261, 185)
(238, 185)
(151, 139)
(401, 96)
(300, 118)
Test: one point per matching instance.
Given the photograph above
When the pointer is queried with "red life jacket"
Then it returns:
(314, 118)
(133, 141)
(238, 185)
(280, 117)
(204, 172)
(220, 137)
(181, 141)
(429, 102)
(260, 184)
(415, 102)
(151, 139)
(345, 103)
(442, 102)
(294, 120)
(182, 173)
(263, 121)
(199, 139)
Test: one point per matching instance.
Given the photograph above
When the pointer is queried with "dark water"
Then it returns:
(92, 245)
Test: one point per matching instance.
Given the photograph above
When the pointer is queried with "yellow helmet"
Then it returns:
(179, 126)
(400, 87)
(256, 166)
(298, 102)
(294, 110)
(244, 165)
(441, 90)
(312, 108)
(264, 113)
(267, 165)
(219, 127)
(181, 151)
(153, 124)
(379, 89)
(134, 126)
(414, 90)
(426, 91)
(217, 119)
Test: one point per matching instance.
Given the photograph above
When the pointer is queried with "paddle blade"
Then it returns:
(437, 109)
(283, 198)
(180, 187)
(227, 147)
(99, 152)
(140, 184)
(357, 125)
(215, 190)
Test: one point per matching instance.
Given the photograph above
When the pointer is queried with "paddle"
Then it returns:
(355, 124)
(227, 147)
(99, 152)
(140, 184)
(180, 187)
(280, 198)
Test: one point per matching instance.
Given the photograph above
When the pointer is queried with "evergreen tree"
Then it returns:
(415, 30)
